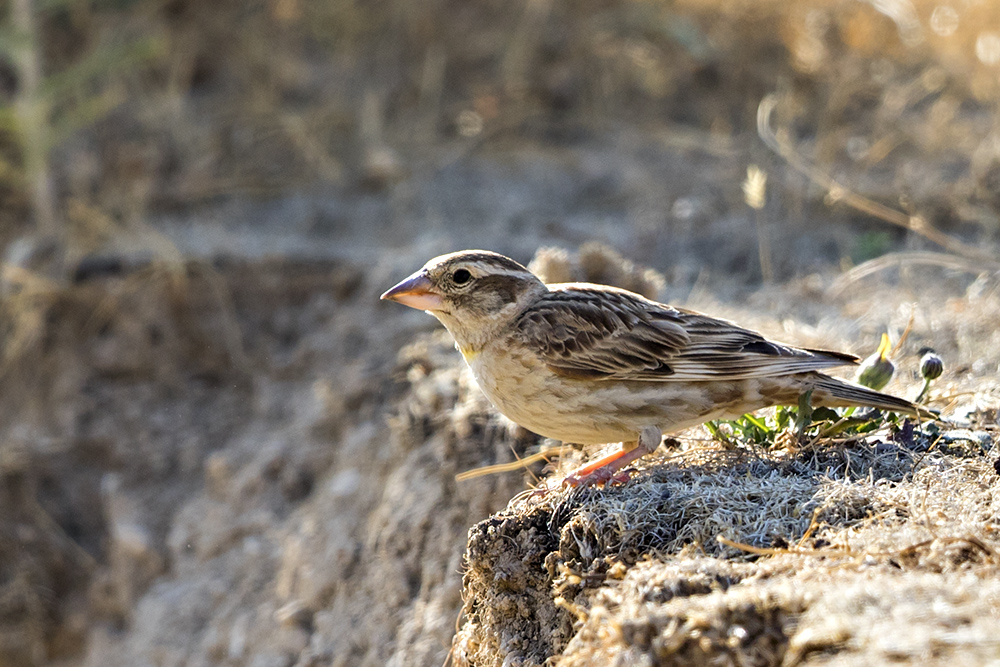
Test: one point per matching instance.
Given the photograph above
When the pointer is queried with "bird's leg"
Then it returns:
(605, 468)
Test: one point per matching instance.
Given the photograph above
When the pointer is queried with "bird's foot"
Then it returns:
(598, 472)
(608, 469)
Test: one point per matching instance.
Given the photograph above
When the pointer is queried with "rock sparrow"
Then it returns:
(593, 364)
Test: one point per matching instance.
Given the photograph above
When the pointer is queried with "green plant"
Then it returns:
(799, 425)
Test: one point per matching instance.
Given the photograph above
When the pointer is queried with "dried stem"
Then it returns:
(780, 144)
(32, 110)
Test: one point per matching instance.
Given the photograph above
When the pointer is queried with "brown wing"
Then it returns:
(589, 332)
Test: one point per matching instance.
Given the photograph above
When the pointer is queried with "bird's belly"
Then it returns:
(585, 411)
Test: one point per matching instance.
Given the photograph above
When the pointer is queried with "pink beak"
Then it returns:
(415, 292)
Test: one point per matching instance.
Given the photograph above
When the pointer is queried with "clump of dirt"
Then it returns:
(791, 610)
(715, 626)
(509, 612)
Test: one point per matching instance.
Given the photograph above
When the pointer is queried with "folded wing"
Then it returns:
(590, 332)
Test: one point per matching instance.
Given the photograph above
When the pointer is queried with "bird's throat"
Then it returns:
(468, 352)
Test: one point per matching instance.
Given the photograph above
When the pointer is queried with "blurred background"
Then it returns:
(305, 127)
(201, 201)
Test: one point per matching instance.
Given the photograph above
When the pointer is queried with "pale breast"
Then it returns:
(530, 395)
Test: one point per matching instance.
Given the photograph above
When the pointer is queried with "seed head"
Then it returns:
(931, 366)
(876, 371)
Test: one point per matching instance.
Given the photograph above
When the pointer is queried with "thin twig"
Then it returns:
(971, 540)
(513, 465)
(905, 334)
(900, 259)
(835, 192)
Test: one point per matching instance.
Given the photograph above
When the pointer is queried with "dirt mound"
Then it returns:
(756, 557)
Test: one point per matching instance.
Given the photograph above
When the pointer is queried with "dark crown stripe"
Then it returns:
(492, 260)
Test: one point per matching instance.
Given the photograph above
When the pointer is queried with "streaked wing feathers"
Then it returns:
(591, 332)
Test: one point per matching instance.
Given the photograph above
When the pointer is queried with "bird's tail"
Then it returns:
(836, 393)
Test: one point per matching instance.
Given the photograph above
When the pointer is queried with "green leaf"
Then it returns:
(782, 416)
(804, 416)
(868, 426)
(823, 413)
(757, 422)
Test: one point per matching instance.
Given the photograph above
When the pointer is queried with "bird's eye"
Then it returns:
(461, 276)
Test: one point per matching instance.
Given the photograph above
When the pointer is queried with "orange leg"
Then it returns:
(606, 468)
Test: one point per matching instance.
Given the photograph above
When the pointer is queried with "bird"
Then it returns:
(593, 364)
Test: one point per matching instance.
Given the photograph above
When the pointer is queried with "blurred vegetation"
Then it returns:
(114, 107)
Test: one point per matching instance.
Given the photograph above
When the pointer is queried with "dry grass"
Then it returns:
(836, 493)
(828, 557)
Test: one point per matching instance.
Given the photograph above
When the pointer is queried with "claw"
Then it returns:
(539, 492)
(622, 476)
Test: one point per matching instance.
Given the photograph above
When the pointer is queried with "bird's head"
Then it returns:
(474, 293)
